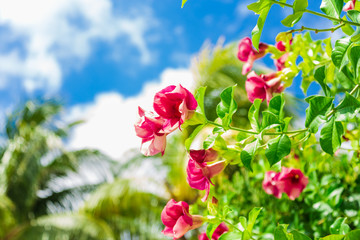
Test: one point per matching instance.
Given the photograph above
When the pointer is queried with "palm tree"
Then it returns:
(38, 176)
(48, 192)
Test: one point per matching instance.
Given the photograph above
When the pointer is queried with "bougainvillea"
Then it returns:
(254, 148)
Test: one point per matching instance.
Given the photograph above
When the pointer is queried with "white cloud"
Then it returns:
(54, 33)
(110, 119)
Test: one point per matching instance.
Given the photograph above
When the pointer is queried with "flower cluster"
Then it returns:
(290, 181)
(177, 219)
(247, 54)
(262, 86)
(199, 173)
(265, 85)
(173, 105)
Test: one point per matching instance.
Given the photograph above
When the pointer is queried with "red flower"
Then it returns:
(350, 5)
(292, 181)
(270, 184)
(177, 219)
(247, 54)
(175, 104)
(280, 62)
(281, 46)
(221, 229)
(199, 174)
(149, 127)
(262, 86)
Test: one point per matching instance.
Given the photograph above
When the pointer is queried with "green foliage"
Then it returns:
(330, 136)
(227, 106)
(319, 106)
(332, 8)
(320, 77)
(348, 107)
(339, 55)
(278, 148)
(253, 115)
(256, 32)
(248, 154)
(298, 10)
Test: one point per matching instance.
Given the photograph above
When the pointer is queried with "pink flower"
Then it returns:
(199, 174)
(270, 184)
(262, 86)
(221, 229)
(247, 54)
(202, 155)
(292, 181)
(281, 46)
(350, 5)
(280, 62)
(175, 104)
(177, 219)
(149, 127)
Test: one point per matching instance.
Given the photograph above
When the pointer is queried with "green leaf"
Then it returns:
(320, 78)
(347, 29)
(248, 153)
(276, 106)
(354, 59)
(211, 229)
(353, 235)
(256, 32)
(330, 136)
(348, 107)
(183, 3)
(231, 236)
(299, 236)
(199, 96)
(300, 5)
(292, 19)
(243, 222)
(191, 138)
(332, 8)
(277, 148)
(315, 113)
(333, 237)
(227, 106)
(339, 227)
(196, 119)
(259, 6)
(354, 15)
(254, 213)
(269, 119)
(339, 55)
(253, 115)
(280, 233)
(216, 142)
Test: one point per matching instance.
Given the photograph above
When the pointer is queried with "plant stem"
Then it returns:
(318, 14)
(334, 109)
(333, 29)
(232, 128)
(288, 132)
(232, 225)
(251, 132)
(302, 140)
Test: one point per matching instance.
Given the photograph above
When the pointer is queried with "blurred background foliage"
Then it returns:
(50, 192)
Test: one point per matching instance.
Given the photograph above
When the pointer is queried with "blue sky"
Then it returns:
(93, 53)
